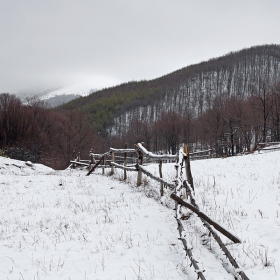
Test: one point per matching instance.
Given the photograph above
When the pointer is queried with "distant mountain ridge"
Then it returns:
(189, 91)
(58, 96)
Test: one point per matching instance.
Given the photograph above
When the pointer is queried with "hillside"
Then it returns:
(188, 91)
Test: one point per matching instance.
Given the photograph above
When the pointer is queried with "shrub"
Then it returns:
(22, 154)
(2, 154)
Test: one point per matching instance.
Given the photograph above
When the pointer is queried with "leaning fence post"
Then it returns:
(188, 166)
(140, 162)
(124, 163)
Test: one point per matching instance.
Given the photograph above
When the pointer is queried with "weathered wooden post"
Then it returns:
(103, 168)
(74, 158)
(140, 162)
(91, 156)
(188, 166)
(160, 176)
(112, 160)
(124, 162)
(177, 174)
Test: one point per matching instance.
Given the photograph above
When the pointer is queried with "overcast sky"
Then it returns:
(51, 43)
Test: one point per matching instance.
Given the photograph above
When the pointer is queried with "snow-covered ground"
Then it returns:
(65, 225)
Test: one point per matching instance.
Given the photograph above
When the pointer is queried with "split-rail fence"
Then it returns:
(134, 160)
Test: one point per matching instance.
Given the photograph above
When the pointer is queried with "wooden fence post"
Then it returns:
(140, 162)
(112, 160)
(91, 156)
(124, 163)
(160, 175)
(103, 168)
(188, 166)
(74, 158)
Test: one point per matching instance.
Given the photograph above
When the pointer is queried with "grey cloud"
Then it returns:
(54, 43)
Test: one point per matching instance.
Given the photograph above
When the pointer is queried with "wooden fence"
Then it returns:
(268, 146)
(134, 160)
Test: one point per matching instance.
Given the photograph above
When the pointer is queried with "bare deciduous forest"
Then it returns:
(34, 133)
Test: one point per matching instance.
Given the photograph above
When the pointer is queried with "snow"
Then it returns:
(79, 90)
(65, 225)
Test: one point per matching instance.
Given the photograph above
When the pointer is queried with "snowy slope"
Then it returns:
(78, 90)
(57, 97)
(64, 225)
(60, 96)
(243, 195)
(15, 167)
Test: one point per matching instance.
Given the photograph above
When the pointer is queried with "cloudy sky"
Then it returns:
(53, 43)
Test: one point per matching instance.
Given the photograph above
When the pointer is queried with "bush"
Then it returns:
(22, 154)
(2, 154)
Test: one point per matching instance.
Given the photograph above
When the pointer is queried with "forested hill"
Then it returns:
(189, 91)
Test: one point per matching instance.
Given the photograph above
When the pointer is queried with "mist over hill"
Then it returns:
(58, 96)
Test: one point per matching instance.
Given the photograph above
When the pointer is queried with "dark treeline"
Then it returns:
(231, 126)
(33, 132)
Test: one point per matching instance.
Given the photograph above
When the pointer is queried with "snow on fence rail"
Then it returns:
(177, 186)
(153, 156)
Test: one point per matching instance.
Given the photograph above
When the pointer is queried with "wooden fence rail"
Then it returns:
(186, 248)
(268, 146)
(122, 151)
(149, 174)
(205, 218)
(123, 167)
(216, 237)
(153, 156)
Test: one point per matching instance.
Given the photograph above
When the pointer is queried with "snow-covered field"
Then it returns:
(64, 225)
